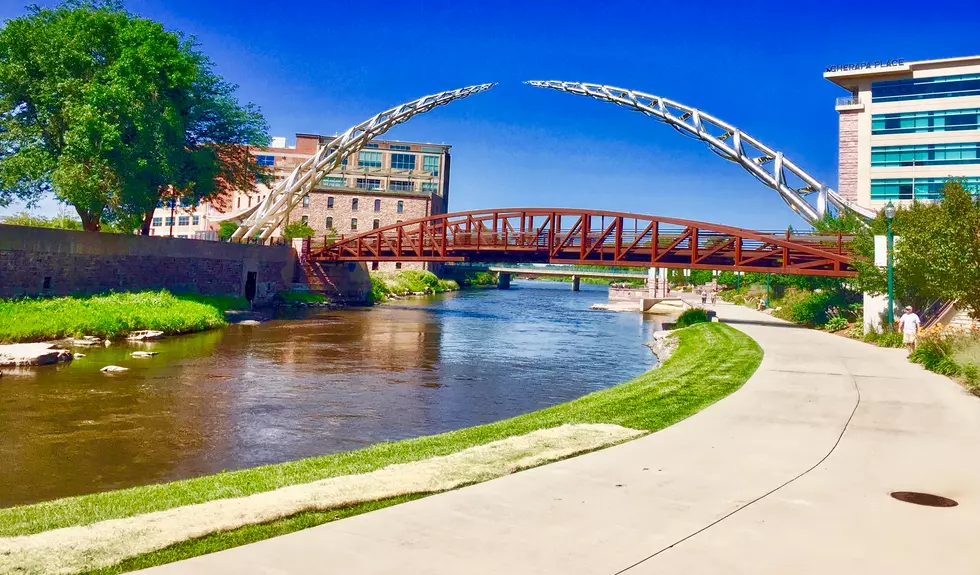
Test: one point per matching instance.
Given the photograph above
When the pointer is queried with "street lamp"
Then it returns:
(889, 216)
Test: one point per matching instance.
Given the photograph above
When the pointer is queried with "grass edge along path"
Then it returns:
(711, 361)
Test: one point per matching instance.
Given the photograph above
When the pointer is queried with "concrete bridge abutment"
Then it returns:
(503, 280)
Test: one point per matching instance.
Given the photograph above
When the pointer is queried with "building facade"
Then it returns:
(173, 219)
(906, 128)
(387, 182)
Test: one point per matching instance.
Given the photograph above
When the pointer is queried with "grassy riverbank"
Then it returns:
(712, 360)
(111, 315)
(407, 282)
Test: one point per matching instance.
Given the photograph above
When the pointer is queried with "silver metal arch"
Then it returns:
(263, 219)
(766, 164)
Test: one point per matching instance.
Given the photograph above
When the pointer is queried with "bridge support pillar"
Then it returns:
(503, 280)
(575, 283)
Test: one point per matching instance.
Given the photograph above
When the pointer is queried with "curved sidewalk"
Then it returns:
(790, 474)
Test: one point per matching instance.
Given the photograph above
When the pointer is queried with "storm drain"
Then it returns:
(926, 499)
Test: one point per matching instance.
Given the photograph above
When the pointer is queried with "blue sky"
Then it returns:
(322, 66)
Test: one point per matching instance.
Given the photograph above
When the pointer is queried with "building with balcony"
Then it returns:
(906, 128)
(387, 182)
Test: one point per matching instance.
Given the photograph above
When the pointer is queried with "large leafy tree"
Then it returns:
(937, 255)
(113, 113)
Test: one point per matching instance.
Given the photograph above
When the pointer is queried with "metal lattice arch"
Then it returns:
(768, 165)
(262, 220)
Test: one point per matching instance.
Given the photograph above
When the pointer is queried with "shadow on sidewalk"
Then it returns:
(764, 323)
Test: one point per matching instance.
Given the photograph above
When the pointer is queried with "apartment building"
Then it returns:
(907, 127)
(174, 219)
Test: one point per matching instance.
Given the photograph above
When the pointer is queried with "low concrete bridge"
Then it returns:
(504, 274)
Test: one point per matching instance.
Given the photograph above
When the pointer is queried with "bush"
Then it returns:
(836, 323)
(297, 230)
(971, 373)
(379, 290)
(691, 317)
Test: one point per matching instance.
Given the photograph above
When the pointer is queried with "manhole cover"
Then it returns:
(926, 499)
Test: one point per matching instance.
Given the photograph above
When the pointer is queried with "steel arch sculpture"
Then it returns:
(575, 236)
(728, 142)
(263, 219)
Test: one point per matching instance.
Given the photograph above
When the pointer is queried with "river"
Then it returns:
(318, 382)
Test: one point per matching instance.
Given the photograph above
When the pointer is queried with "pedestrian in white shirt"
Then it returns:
(909, 324)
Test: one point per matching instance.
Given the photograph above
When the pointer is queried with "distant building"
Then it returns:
(906, 128)
(174, 219)
(385, 183)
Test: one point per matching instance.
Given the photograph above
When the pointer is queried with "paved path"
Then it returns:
(791, 474)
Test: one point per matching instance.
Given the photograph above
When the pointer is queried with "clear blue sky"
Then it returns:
(322, 66)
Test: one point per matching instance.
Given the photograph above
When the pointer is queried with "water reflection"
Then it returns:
(310, 384)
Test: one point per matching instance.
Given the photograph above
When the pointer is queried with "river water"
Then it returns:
(318, 382)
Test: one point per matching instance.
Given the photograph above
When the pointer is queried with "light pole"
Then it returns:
(889, 215)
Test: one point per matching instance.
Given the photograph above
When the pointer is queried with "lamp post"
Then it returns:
(889, 216)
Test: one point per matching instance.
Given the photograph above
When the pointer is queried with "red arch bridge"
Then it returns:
(592, 237)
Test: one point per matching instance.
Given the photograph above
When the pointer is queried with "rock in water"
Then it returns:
(79, 355)
(249, 322)
(32, 354)
(145, 335)
(113, 369)
(144, 354)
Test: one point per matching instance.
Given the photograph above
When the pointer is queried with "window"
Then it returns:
(171, 203)
(401, 147)
(401, 186)
(369, 159)
(925, 155)
(329, 225)
(250, 201)
(374, 266)
(334, 182)
(376, 224)
(168, 222)
(157, 221)
(196, 220)
(926, 88)
(368, 184)
(182, 236)
(353, 205)
(403, 161)
(306, 201)
(370, 145)
(183, 220)
(398, 265)
(377, 205)
(401, 207)
(431, 150)
(431, 164)
(353, 224)
(918, 122)
(431, 187)
(330, 202)
(239, 201)
(917, 189)
(305, 219)
(265, 160)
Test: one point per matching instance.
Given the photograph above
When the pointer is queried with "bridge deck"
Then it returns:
(566, 273)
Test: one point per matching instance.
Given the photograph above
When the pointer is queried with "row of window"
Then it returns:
(935, 121)
(926, 88)
(353, 223)
(374, 184)
(172, 203)
(915, 189)
(181, 221)
(354, 203)
(366, 159)
(925, 155)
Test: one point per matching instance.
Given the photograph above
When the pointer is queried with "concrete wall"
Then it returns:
(38, 261)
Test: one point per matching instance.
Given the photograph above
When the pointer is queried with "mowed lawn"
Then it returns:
(712, 361)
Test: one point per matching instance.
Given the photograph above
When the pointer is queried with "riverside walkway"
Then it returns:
(790, 474)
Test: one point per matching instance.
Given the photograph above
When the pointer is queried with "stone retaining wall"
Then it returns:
(39, 261)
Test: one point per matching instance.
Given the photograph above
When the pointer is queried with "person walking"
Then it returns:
(704, 297)
(909, 323)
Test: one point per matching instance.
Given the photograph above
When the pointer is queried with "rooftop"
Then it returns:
(849, 75)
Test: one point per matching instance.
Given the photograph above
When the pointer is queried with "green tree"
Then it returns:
(937, 254)
(295, 230)
(112, 112)
(226, 230)
(62, 221)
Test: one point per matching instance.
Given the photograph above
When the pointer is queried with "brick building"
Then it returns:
(385, 183)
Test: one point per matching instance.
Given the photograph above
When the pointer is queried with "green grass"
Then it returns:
(300, 297)
(111, 315)
(404, 282)
(712, 360)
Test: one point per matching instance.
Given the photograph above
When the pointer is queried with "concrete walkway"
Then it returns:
(791, 474)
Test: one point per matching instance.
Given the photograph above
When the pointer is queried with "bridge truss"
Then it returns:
(262, 220)
(595, 237)
(773, 169)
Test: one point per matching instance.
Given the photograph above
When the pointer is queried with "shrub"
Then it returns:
(971, 373)
(691, 317)
(295, 230)
(379, 290)
(836, 323)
